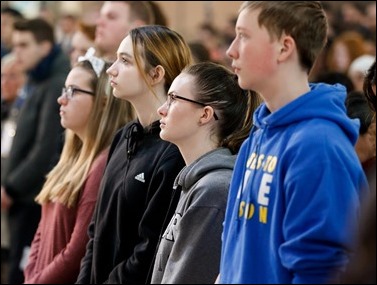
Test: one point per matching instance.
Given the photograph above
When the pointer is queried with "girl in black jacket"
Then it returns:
(136, 196)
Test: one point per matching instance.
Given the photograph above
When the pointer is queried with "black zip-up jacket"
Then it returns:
(136, 200)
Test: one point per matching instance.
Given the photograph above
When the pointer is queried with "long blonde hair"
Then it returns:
(108, 114)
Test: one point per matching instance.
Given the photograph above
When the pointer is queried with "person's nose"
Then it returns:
(232, 51)
(162, 110)
(111, 71)
(62, 99)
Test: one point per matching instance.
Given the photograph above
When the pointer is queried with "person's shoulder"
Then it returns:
(218, 178)
(212, 189)
(100, 161)
(214, 175)
(61, 65)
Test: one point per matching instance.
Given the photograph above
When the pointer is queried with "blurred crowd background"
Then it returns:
(352, 30)
(209, 28)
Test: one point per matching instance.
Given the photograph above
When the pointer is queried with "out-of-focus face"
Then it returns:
(180, 120)
(67, 25)
(253, 53)
(366, 144)
(341, 58)
(12, 79)
(357, 78)
(7, 22)
(350, 13)
(74, 112)
(26, 49)
(80, 44)
(125, 77)
(371, 15)
(112, 26)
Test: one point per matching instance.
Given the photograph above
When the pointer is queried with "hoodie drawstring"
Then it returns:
(133, 135)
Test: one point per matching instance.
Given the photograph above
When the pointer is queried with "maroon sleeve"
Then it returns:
(66, 265)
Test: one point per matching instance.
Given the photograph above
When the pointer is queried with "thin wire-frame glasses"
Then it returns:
(172, 97)
(70, 91)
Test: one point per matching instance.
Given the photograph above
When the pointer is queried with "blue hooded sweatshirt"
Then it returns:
(295, 193)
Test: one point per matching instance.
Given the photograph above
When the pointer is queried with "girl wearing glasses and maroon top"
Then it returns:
(206, 116)
(137, 186)
(91, 117)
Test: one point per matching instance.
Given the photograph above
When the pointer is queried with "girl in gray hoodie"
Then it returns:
(206, 116)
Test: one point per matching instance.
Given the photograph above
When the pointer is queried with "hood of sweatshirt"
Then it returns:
(215, 160)
(322, 102)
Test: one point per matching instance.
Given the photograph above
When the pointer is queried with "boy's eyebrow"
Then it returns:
(238, 28)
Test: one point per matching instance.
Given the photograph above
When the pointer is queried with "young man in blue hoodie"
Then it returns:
(297, 184)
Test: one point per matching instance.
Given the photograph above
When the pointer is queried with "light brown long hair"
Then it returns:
(67, 178)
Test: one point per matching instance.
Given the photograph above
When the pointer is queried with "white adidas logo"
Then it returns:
(140, 177)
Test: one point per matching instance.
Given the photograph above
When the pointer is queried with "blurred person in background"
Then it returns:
(116, 19)
(82, 40)
(371, 18)
(370, 86)
(13, 77)
(159, 16)
(67, 26)
(333, 77)
(8, 17)
(199, 52)
(345, 48)
(211, 38)
(358, 68)
(38, 139)
(362, 266)
(358, 108)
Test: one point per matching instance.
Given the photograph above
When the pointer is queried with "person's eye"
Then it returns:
(125, 60)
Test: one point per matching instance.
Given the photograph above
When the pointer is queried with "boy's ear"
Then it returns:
(288, 45)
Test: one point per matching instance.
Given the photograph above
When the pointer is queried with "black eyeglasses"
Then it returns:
(172, 97)
(70, 91)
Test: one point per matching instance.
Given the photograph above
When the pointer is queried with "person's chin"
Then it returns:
(63, 124)
(116, 95)
(163, 134)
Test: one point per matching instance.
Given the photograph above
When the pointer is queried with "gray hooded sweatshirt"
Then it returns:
(189, 251)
